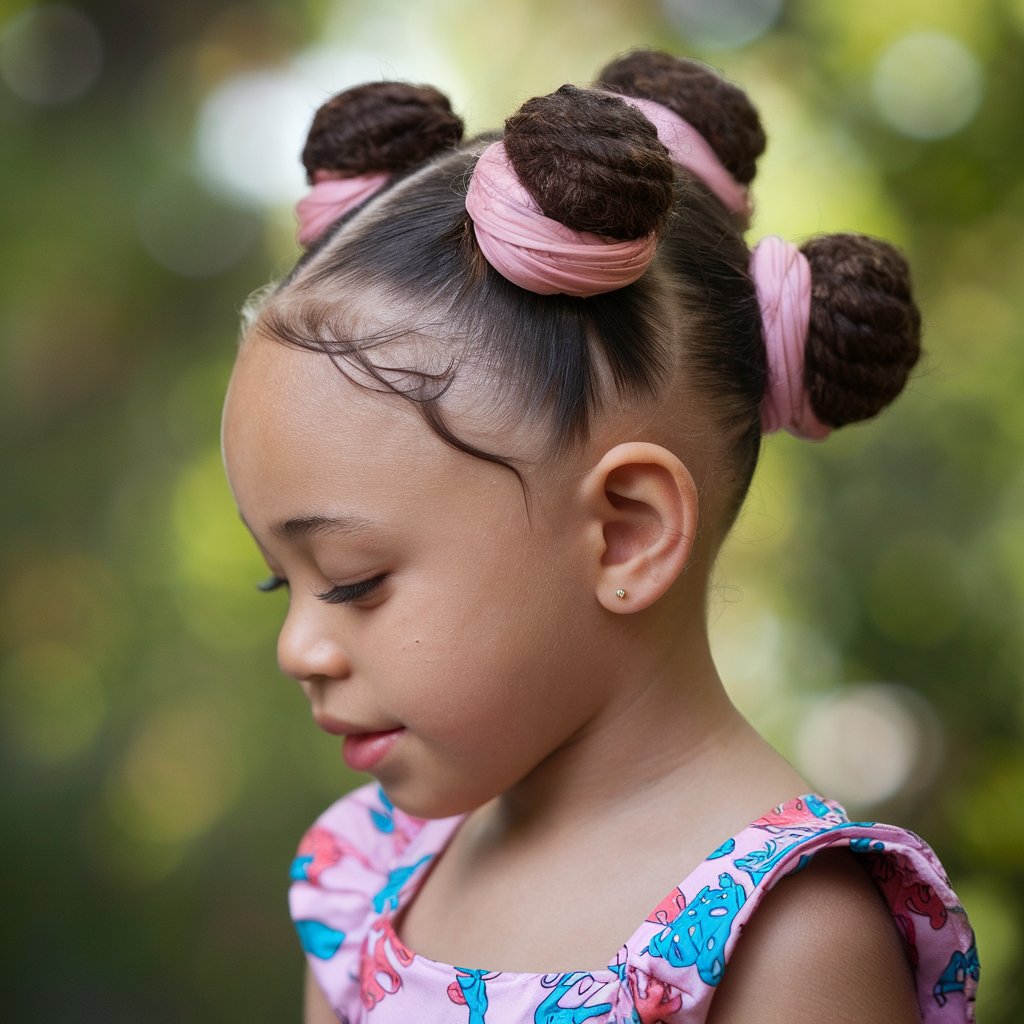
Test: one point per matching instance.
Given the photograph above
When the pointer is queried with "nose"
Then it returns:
(308, 649)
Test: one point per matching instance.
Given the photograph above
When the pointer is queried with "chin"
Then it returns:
(420, 800)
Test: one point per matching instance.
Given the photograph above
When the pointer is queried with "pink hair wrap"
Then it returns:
(330, 198)
(691, 150)
(782, 279)
(540, 254)
(543, 255)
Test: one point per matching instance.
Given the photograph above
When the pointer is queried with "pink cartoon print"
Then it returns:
(668, 909)
(653, 1000)
(907, 897)
(319, 850)
(382, 958)
(801, 811)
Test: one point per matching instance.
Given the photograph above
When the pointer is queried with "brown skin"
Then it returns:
(529, 693)
(828, 927)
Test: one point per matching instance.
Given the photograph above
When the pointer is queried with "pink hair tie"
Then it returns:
(540, 254)
(330, 198)
(543, 255)
(782, 279)
(691, 150)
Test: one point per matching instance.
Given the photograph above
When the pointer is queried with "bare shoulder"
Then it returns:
(317, 1009)
(822, 946)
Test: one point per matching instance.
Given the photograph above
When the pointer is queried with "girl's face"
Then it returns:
(451, 639)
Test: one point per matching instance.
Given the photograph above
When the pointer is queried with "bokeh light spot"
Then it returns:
(213, 550)
(250, 134)
(867, 743)
(177, 776)
(807, 149)
(85, 612)
(50, 54)
(217, 561)
(721, 24)
(927, 85)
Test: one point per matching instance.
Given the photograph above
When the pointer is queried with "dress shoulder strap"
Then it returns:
(351, 866)
(693, 932)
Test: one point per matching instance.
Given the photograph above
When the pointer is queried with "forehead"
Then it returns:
(283, 401)
(299, 437)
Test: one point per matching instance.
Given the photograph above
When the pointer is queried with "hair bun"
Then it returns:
(865, 328)
(591, 162)
(719, 110)
(380, 126)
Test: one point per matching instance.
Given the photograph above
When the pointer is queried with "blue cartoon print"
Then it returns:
(698, 935)
(319, 939)
(384, 820)
(387, 897)
(758, 863)
(469, 989)
(817, 806)
(861, 844)
(724, 850)
(551, 1010)
(961, 966)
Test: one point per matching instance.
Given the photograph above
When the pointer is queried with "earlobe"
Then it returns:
(645, 501)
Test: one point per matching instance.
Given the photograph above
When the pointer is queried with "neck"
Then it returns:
(669, 733)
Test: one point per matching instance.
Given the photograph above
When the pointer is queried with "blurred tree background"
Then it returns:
(157, 772)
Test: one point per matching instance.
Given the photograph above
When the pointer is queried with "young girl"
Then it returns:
(491, 432)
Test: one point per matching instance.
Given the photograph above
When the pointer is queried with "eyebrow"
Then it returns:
(316, 525)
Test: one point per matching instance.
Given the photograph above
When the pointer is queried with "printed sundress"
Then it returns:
(362, 861)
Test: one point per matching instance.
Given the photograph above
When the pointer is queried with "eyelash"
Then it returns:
(347, 593)
(341, 594)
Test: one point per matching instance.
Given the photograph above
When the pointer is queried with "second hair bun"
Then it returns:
(864, 336)
(380, 126)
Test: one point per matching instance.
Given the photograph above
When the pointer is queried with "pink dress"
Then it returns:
(363, 859)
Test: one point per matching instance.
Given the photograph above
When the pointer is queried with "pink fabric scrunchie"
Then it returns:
(782, 279)
(331, 197)
(536, 252)
(691, 150)
(544, 256)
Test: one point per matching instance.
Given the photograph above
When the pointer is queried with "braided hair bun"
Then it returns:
(864, 336)
(719, 110)
(591, 162)
(381, 126)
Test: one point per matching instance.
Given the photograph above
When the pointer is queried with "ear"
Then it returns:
(642, 503)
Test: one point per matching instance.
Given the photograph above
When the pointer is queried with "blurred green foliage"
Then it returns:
(157, 771)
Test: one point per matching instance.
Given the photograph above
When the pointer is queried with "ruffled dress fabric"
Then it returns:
(363, 860)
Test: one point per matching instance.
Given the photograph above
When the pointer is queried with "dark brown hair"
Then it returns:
(691, 322)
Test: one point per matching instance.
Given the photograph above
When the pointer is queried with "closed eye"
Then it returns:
(272, 583)
(349, 592)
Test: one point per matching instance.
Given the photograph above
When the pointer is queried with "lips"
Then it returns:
(363, 748)
(362, 751)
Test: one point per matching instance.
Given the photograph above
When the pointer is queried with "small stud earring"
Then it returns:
(620, 593)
